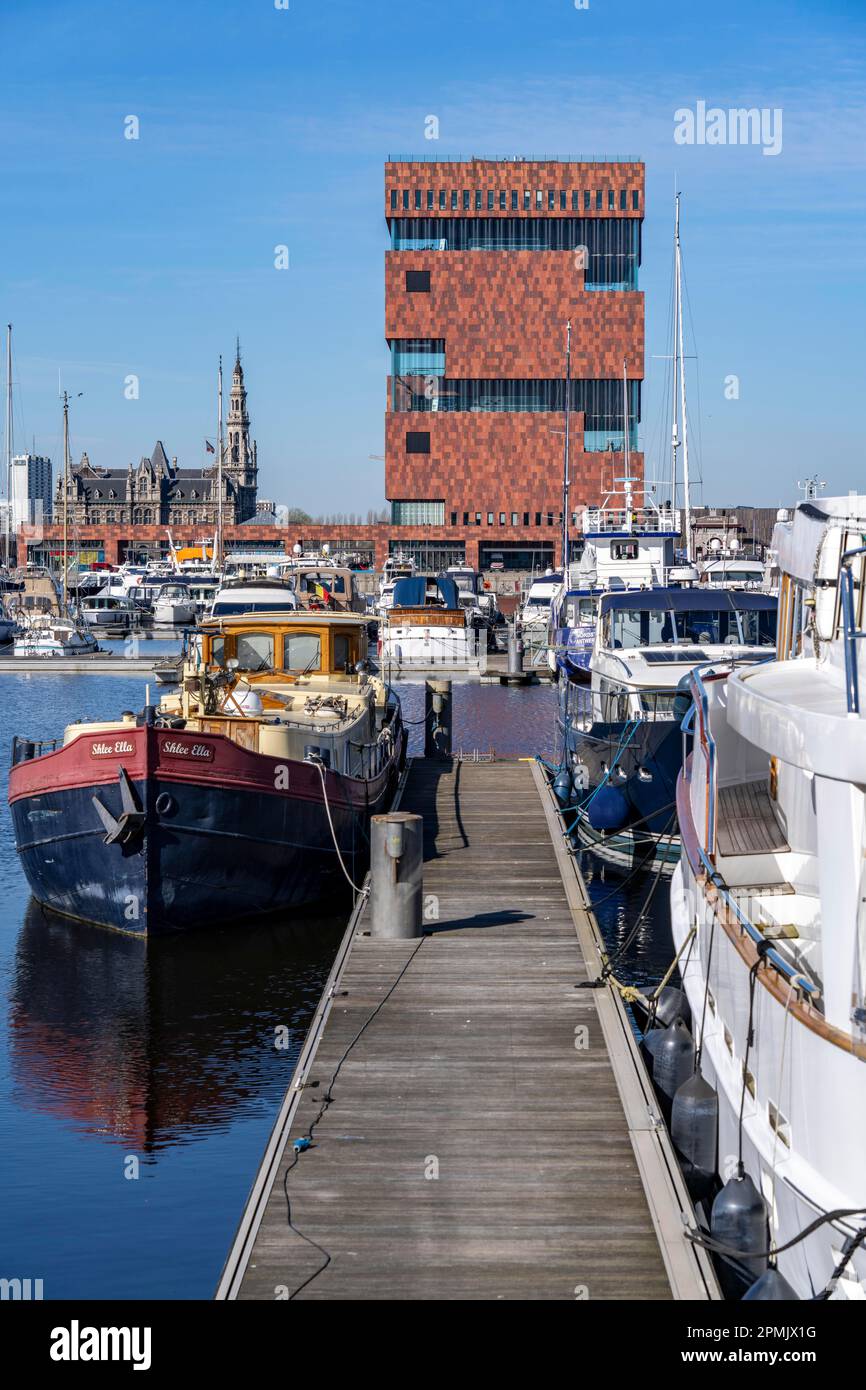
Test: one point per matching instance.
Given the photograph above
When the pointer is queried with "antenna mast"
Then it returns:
(679, 328)
(566, 479)
(218, 557)
(65, 560)
(8, 528)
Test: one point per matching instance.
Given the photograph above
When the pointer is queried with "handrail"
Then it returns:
(796, 977)
(707, 858)
(709, 745)
(852, 633)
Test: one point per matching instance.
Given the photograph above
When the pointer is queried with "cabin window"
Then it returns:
(255, 651)
(302, 652)
(342, 651)
(759, 626)
(625, 550)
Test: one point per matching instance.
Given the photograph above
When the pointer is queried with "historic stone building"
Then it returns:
(158, 493)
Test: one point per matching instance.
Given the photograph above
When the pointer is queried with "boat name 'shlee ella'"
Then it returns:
(772, 811)
(243, 794)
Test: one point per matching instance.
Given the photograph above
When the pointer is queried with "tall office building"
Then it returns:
(30, 489)
(488, 260)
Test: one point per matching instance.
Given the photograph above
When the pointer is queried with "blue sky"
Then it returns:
(261, 126)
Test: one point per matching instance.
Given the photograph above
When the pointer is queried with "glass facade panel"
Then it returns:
(418, 356)
(431, 557)
(600, 400)
(516, 555)
(416, 513)
(613, 243)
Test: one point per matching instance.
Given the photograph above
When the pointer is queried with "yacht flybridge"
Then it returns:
(769, 904)
(247, 792)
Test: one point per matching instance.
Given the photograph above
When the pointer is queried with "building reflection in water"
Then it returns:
(157, 1044)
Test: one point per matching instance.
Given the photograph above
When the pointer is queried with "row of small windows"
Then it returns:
(430, 513)
(607, 199)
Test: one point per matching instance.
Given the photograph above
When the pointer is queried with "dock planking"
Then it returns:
(469, 1149)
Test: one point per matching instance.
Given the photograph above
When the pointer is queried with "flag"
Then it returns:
(210, 448)
(321, 592)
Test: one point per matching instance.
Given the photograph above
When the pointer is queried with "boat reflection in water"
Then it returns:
(160, 1047)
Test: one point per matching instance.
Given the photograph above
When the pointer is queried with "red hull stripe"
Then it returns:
(94, 760)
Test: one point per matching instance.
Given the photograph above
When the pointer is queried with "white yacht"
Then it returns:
(426, 627)
(769, 904)
(49, 635)
(173, 604)
(236, 596)
(733, 573)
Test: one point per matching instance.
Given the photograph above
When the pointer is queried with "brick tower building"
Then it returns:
(487, 262)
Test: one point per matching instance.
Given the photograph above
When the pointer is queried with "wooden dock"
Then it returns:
(481, 1125)
(98, 665)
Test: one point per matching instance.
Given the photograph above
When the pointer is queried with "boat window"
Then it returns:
(624, 550)
(641, 627)
(255, 651)
(758, 626)
(222, 609)
(302, 652)
(708, 626)
(580, 611)
(342, 651)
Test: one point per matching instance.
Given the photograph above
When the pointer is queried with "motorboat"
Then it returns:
(105, 610)
(236, 596)
(51, 636)
(244, 794)
(733, 573)
(427, 627)
(619, 739)
(173, 605)
(768, 908)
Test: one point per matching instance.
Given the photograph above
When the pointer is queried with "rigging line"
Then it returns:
(317, 762)
(762, 949)
(850, 1248)
(718, 1247)
(639, 920)
(698, 425)
(700, 1047)
(327, 1101)
(779, 1097)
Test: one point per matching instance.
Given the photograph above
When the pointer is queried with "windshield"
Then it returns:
(222, 609)
(634, 627)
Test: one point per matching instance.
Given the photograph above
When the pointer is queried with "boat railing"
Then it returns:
(707, 852)
(704, 739)
(599, 520)
(23, 749)
(852, 634)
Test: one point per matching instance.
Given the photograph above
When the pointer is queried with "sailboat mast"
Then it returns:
(218, 556)
(566, 478)
(675, 434)
(682, 368)
(625, 419)
(65, 559)
(8, 444)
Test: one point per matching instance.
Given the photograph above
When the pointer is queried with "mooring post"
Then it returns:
(515, 649)
(437, 719)
(396, 858)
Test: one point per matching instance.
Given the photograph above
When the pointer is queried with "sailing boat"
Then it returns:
(621, 744)
(56, 634)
